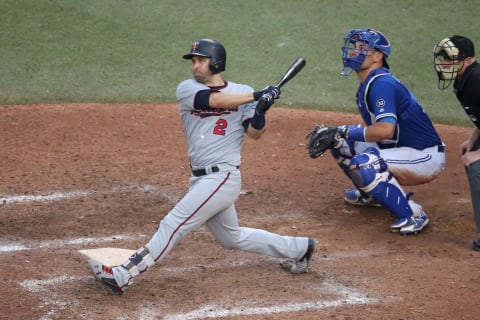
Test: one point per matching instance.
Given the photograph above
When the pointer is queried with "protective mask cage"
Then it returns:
(352, 57)
(446, 62)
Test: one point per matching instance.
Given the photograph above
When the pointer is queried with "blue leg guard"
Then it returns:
(392, 197)
(368, 172)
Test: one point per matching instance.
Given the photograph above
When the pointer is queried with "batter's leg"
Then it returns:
(226, 230)
(205, 198)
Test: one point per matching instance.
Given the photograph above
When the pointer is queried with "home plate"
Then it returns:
(108, 256)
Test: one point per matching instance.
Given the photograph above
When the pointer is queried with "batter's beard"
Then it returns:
(200, 78)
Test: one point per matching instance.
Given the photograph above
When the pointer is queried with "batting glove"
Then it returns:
(268, 89)
(265, 102)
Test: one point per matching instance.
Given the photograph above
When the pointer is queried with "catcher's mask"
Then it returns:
(353, 55)
(212, 49)
(448, 57)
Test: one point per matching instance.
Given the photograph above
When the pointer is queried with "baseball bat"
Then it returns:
(291, 72)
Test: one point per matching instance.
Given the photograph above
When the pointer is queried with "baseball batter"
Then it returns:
(216, 115)
(397, 145)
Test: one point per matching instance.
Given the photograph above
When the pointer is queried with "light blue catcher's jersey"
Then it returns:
(382, 96)
(213, 135)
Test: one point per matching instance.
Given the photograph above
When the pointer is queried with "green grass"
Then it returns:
(130, 51)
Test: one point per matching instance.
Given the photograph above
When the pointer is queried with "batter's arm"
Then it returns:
(227, 100)
(255, 134)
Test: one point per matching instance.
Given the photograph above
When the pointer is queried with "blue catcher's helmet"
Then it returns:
(353, 57)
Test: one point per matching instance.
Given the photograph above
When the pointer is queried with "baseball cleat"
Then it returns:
(415, 224)
(105, 275)
(355, 198)
(301, 266)
(398, 224)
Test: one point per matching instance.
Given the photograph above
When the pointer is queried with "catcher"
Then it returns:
(397, 145)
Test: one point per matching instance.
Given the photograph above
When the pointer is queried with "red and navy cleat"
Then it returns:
(106, 276)
(301, 266)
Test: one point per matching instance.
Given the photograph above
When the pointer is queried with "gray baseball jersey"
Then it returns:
(214, 136)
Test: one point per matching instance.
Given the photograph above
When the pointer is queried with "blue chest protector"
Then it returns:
(382, 97)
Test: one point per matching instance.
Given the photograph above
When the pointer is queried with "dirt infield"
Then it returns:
(85, 176)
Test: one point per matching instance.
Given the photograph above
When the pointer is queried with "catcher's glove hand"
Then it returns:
(321, 139)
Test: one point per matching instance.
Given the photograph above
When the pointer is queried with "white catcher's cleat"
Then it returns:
(415, 224)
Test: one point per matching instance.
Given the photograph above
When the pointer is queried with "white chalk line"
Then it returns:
(44, 198)
(349, 297)
(55, 196)
(13, 247)
(35, 286)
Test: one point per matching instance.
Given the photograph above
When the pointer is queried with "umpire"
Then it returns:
(454, 61)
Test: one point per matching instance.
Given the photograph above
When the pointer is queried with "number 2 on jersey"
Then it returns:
(220, 127)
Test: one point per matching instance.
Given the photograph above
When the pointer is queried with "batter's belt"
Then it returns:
(207, 170)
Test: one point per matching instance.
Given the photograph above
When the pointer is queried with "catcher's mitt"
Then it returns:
(321, 139)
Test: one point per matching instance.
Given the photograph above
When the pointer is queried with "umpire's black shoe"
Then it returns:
(476, 245)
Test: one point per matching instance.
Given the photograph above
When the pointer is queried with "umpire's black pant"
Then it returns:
(473, 174)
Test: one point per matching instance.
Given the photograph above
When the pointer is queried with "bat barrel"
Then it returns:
(292, 71)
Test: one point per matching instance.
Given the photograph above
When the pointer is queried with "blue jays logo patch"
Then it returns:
(380, 103)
